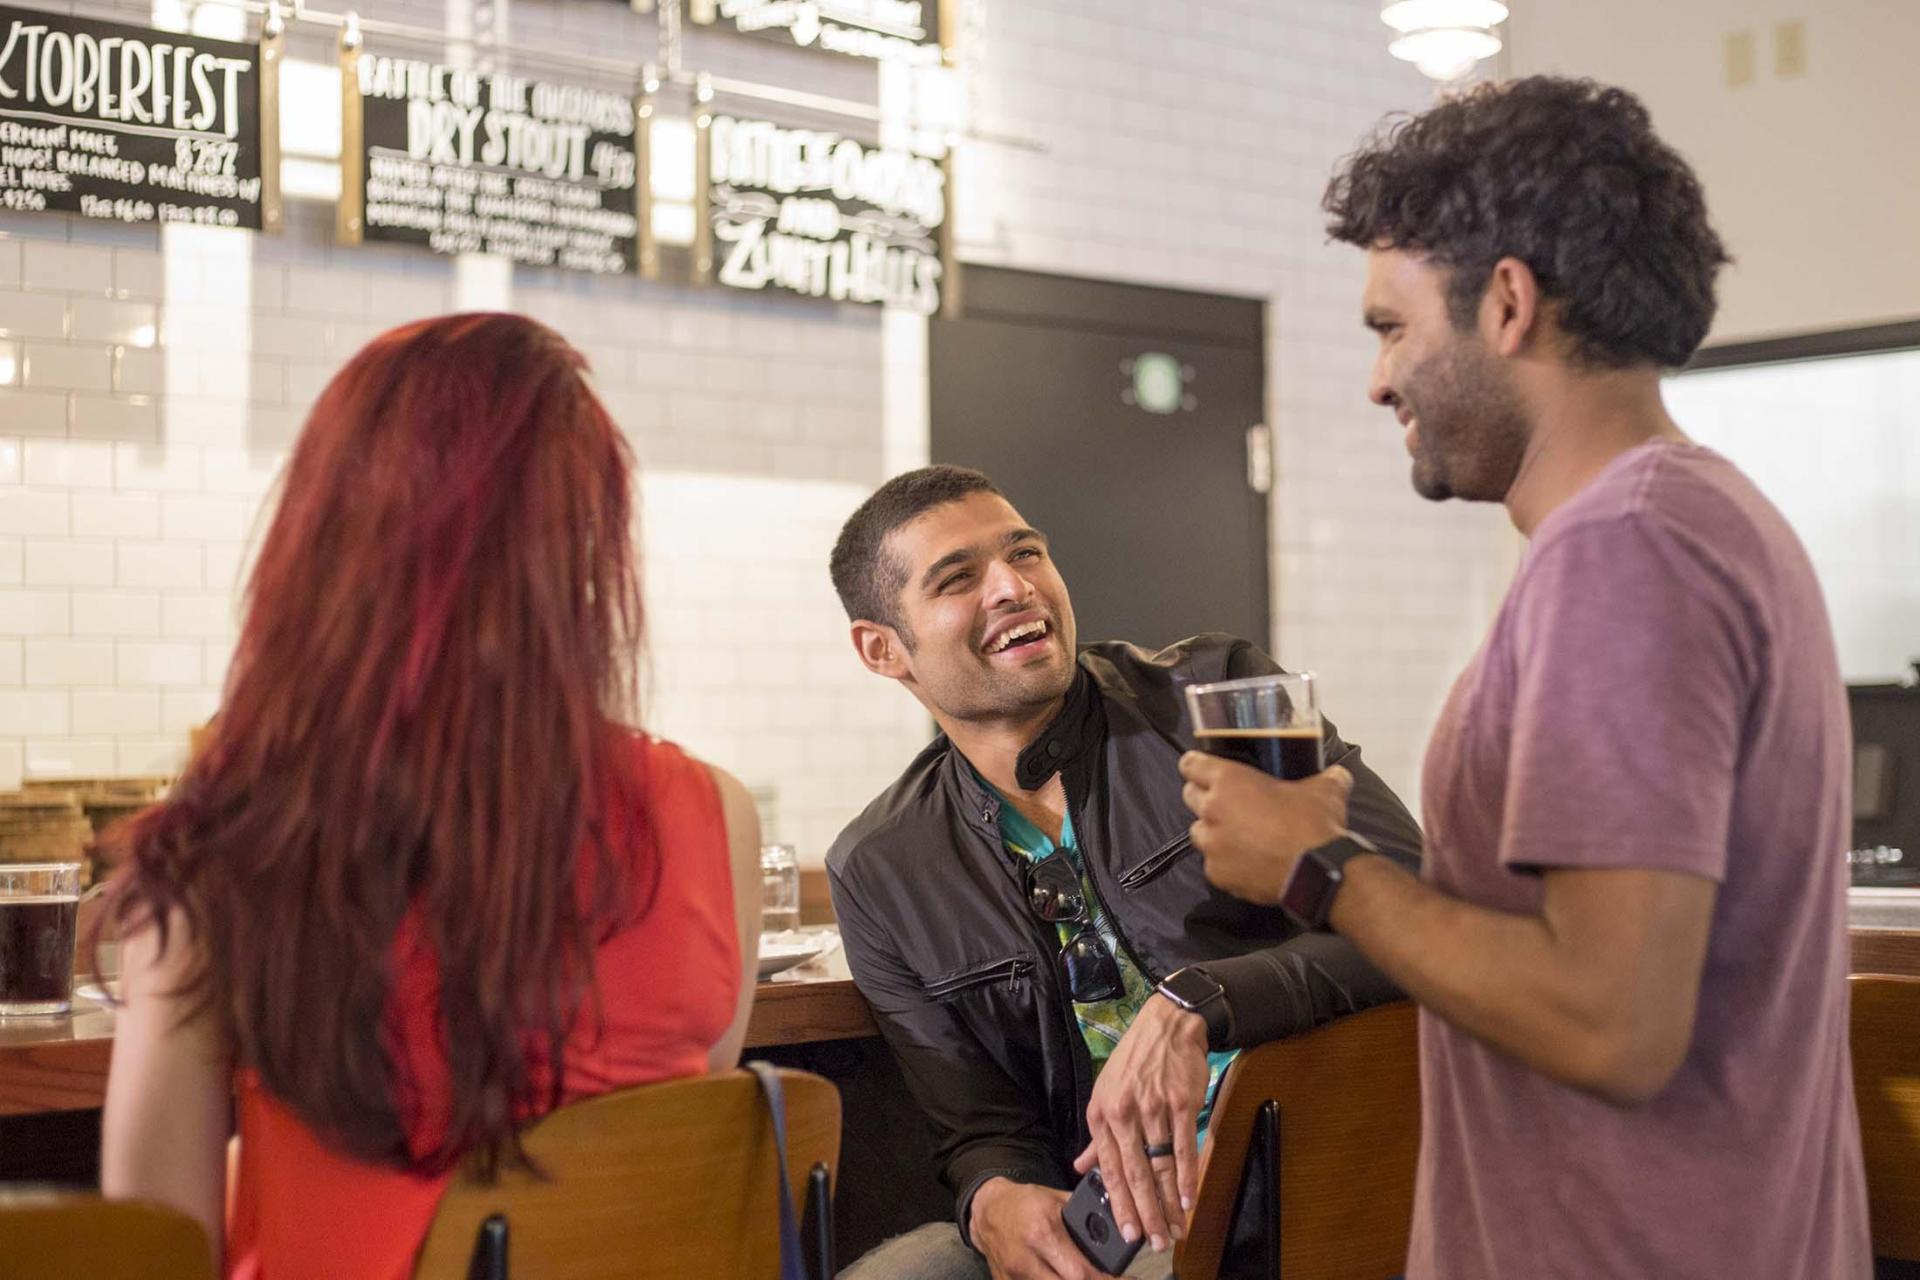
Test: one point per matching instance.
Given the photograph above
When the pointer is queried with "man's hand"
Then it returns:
(1150, 1094)
(1018, 1227)
(1251, 828)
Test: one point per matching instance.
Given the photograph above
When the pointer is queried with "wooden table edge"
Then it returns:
(60, 1075)
(799, 1012)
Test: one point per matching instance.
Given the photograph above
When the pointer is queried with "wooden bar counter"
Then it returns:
(55, 1064)
(807, 1011)
(60, 1063)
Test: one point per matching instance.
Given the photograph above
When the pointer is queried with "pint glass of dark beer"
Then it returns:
(39, 902)
(1269, 722)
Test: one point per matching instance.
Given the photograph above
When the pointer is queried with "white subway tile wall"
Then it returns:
(1188, 145)
(157, 381)
(749, 662)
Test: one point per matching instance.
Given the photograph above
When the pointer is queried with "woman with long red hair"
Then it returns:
(422, 884)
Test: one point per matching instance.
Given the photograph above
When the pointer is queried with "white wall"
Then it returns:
(1187, 145)
(1832, 443)
(1811, 179)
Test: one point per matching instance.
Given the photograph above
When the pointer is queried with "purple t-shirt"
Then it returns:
(1659, 692)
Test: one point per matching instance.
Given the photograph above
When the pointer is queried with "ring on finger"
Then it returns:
(1159, 1150)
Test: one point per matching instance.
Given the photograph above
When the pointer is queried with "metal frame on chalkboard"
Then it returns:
(271, 33)
(671, 71)
(702, 179)
(348, 223)
(648, 248)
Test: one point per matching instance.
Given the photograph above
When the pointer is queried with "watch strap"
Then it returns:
(1331, 858)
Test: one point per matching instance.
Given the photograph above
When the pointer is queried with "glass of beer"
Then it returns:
(39, 902)
(1269, 722)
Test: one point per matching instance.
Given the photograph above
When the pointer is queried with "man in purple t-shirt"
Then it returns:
(1630, 940)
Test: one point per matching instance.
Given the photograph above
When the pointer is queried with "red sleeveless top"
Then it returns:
(301, 1210)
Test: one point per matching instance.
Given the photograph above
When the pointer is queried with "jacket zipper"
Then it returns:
(1094, 881)
(1151, 867)
(1011, 970)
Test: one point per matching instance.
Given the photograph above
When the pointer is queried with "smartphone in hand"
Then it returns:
(1089, 1220)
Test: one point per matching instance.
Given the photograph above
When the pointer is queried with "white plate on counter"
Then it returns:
(777, 956)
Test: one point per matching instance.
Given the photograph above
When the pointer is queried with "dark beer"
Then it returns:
(1290, 753)
(36, 952)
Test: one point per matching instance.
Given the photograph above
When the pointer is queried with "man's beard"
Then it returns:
(1472, 430)
(1002, 698)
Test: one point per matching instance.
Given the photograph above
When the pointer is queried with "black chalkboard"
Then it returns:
(126, 123)
(459, 161)
(815, 213)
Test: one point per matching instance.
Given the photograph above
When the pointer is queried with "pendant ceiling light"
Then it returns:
(1444, 38)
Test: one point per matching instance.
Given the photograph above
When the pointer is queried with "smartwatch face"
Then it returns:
(1308, 889)
(1194, 988)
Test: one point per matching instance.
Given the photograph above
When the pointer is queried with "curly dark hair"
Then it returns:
(1565, 175)
(867, 579)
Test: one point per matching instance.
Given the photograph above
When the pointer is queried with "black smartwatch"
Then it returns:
(1196, 991)
(1316, 879)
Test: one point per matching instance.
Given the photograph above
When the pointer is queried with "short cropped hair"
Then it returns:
(1565, 175)
(867, 578)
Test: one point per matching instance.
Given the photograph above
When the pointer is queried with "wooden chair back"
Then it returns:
(667, 1180)
(1886, 1088)
(49, 1235)
(1347, 1097)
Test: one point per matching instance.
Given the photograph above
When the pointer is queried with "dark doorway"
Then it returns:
(1123, 421)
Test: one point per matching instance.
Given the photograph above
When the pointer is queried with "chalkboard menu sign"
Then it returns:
(126, 123)
(467, 162)
(885, 30)
(812, 212)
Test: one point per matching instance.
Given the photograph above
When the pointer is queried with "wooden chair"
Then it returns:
(1334, 1117)
(667, 1180)
(53, 1235)
(1886, 1088)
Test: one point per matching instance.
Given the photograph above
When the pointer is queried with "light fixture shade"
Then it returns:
(1445, 53)
(1423, 15)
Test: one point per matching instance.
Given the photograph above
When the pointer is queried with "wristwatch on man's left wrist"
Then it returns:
(1197, 991)
(1316, 879)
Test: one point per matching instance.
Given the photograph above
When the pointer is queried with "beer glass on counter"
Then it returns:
(1270, 722)
(39, 905)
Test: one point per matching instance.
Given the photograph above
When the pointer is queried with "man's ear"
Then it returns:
(1512, 313)
(881, 649)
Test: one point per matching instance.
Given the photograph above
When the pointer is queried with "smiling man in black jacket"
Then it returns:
(1023, 909)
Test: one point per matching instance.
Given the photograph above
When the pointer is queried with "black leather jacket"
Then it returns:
(964, 980)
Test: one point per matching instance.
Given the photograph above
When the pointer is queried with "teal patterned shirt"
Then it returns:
(1102, 1022)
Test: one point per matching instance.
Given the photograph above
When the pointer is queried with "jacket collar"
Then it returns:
(1074, 729)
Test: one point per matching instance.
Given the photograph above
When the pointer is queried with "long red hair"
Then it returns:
(421, 714)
